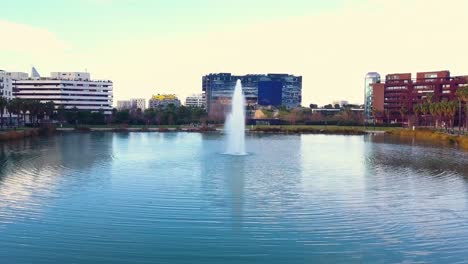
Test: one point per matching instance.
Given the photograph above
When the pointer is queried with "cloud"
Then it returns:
(21, 38)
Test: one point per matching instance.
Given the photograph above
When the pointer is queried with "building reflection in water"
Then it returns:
(401, 153)
(32, 169)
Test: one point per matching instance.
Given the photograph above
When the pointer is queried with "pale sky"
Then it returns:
(165, 46)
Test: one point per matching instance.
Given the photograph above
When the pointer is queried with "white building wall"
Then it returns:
(84, 95)
(196, 100)
(6, 85)
(71, 76)
(18, 75)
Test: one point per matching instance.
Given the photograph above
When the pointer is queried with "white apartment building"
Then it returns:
(67, 89)
(6, 85)
(132, 104)
(196, 100)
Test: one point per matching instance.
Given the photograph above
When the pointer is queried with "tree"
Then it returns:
(49, 109)
(425, 111)
(313, 106)
(451, 109)
(14, 107)
(3, 105)
(462, 94)
(403, 111)
(417, 108)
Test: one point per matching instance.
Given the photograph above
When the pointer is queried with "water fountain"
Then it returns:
(235, 123)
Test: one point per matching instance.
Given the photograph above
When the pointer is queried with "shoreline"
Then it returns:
(262, 130)
(427, 135)
(11, 135)
(460, 142)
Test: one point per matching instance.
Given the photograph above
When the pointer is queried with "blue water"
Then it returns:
(174, 198)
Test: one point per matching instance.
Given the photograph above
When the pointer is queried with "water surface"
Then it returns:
(174, 198)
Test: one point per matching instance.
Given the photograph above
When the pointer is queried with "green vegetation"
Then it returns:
(462, 94)
(36, 111)
(441, 114)
(170, 116)
(311, 129)
(432, 135)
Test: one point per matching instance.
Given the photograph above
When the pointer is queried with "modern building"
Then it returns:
(259, 89)
(138, 103)
(195, 100)
(163, 100)
(6, 85)
(131, 104)
(400, 92)
(66, 89)
(124, 105)
(371, 79)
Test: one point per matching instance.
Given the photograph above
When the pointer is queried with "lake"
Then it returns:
(175, 198)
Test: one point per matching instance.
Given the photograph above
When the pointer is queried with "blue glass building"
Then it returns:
(259, 89)
(270, 93)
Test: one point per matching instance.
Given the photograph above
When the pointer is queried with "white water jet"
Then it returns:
(235, 123)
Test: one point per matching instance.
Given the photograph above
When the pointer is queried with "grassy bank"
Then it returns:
(330, 130)
(434, 136)
(284, 129)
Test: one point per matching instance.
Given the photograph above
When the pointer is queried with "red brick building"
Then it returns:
(395, 98)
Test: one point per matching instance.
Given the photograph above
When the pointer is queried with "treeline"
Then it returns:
(441, 114)
(35, 110)
(169, 115)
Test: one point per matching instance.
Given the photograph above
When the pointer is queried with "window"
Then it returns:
(430, 75)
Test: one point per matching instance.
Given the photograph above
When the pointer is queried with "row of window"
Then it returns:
(62, 94)
(61, 89)
(61, 84)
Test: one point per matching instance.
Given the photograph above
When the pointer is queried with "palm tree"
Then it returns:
(451, 109)
(3, 104)
(14, 107)
(433, 111)
(23, 107)
(403, 111)
(462, 94)
(35, 109)
(425, 111)
(417, 109)
(49, 109)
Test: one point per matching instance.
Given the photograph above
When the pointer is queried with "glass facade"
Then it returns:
(218, 88)
(371, 78)
(270, 93)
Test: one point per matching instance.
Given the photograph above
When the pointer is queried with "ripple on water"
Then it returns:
(145, 198)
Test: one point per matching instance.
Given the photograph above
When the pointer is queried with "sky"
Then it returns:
(165, 46)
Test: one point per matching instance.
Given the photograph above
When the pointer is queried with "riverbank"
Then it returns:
(434, 136)
(326, 130)
(288, 129)
(19, 134)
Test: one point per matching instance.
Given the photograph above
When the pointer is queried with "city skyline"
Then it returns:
(166, 47)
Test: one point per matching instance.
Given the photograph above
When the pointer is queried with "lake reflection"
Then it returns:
(174, 198)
